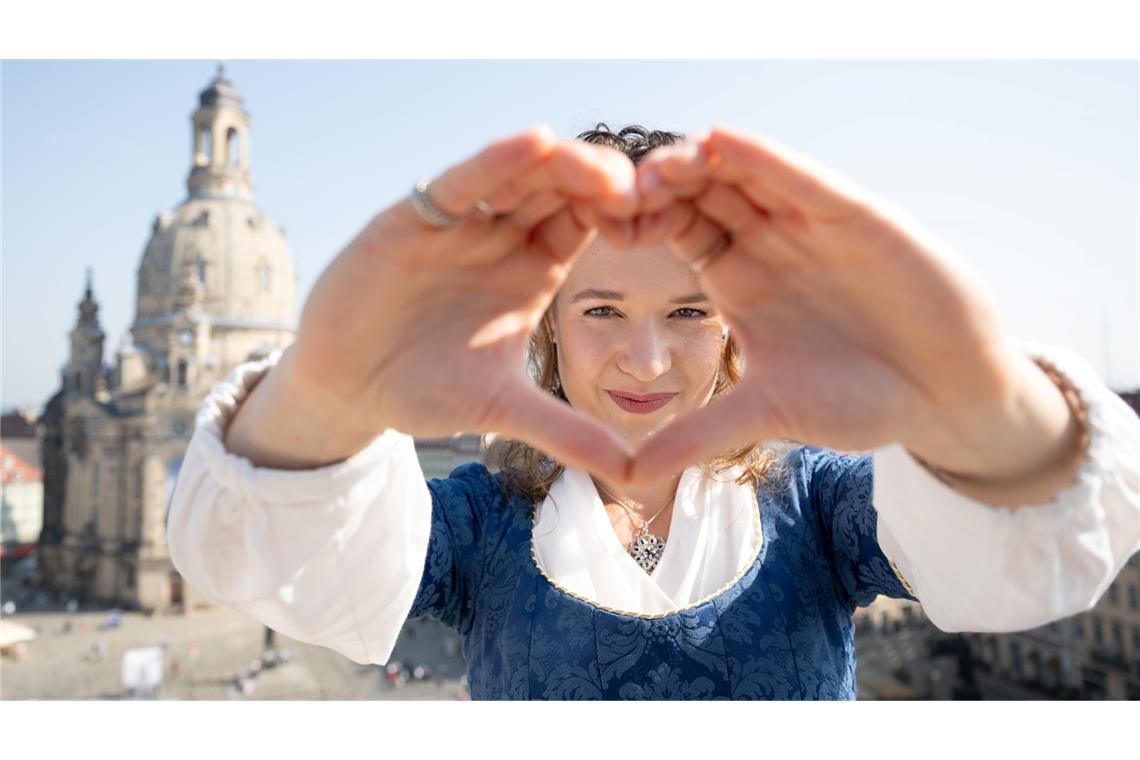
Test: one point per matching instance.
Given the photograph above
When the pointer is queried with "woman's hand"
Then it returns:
(858, 328)
(424, 330)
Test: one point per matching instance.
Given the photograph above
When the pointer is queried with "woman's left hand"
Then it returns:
(858, 327)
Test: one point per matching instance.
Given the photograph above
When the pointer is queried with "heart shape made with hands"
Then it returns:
(858, 327)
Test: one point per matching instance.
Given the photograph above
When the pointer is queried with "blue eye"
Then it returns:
(587, 312)
(696, 313)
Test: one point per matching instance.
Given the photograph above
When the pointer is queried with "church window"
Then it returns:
(138, 473)
(95, 481)
(202, 266)
(233, 146)
(173, 467)
(264, 276)
(207, 146)
(182, 367)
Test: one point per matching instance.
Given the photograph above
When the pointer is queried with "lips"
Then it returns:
(640, 396)
(640, 403)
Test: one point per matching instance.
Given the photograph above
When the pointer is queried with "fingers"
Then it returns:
(787, 176)
(727, 207)
(569, 436)
(575, 170)
(771, 175)
(507, 174)
(694, 238)
(677, 171)
(562, 237)
(726, 424)
(536, 209)
(458, 189)
(621, 233)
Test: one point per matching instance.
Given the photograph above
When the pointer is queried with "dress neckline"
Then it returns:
(612, 539)
(601, 521)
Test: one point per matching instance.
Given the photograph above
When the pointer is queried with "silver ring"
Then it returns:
(715, 250)
(428, 211)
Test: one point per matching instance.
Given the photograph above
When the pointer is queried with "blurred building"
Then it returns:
(1093, 655)
(439, 456)
(21, 500)
(216, 287)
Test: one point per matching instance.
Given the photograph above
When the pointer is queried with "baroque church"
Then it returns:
(216, 287)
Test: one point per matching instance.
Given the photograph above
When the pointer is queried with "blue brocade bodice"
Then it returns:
(782, 630)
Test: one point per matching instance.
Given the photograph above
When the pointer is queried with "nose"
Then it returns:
(647, 353)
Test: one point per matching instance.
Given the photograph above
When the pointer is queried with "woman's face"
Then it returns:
(635, 323)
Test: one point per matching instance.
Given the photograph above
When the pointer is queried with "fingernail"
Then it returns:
(650, 180)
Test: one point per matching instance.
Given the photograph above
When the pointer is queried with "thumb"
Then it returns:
(571, 437)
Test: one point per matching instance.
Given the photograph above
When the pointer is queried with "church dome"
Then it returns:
(241, 260)
(215, 257)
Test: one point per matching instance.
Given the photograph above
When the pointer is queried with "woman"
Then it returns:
(645, 537)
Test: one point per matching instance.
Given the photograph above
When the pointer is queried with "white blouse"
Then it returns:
(334, 555)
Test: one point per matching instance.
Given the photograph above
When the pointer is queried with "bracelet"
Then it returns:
(1078, 404)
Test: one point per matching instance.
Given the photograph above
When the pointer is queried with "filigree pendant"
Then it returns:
(646, 550)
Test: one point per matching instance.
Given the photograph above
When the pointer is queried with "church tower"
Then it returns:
(83, 372)
(221, 143)
(216, 283)
(216, 286)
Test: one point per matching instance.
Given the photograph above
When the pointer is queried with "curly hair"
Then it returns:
(530, 471)
(634, 141)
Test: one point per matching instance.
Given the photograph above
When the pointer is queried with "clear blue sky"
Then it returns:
(1030, 169)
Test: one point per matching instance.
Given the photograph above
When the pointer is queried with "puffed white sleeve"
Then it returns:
(978, 567)
(332, 555)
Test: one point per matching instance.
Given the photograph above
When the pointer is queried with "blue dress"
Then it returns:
(783, 630)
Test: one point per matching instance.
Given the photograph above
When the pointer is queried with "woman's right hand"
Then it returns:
(423, 330)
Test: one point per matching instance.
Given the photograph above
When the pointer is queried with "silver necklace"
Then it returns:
(646, 547)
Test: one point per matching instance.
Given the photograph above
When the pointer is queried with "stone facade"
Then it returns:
(1093, 655)
(215, 287)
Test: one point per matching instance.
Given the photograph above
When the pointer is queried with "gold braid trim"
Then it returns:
(902, 580)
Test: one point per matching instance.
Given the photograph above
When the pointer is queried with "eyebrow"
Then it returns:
(615, 295)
